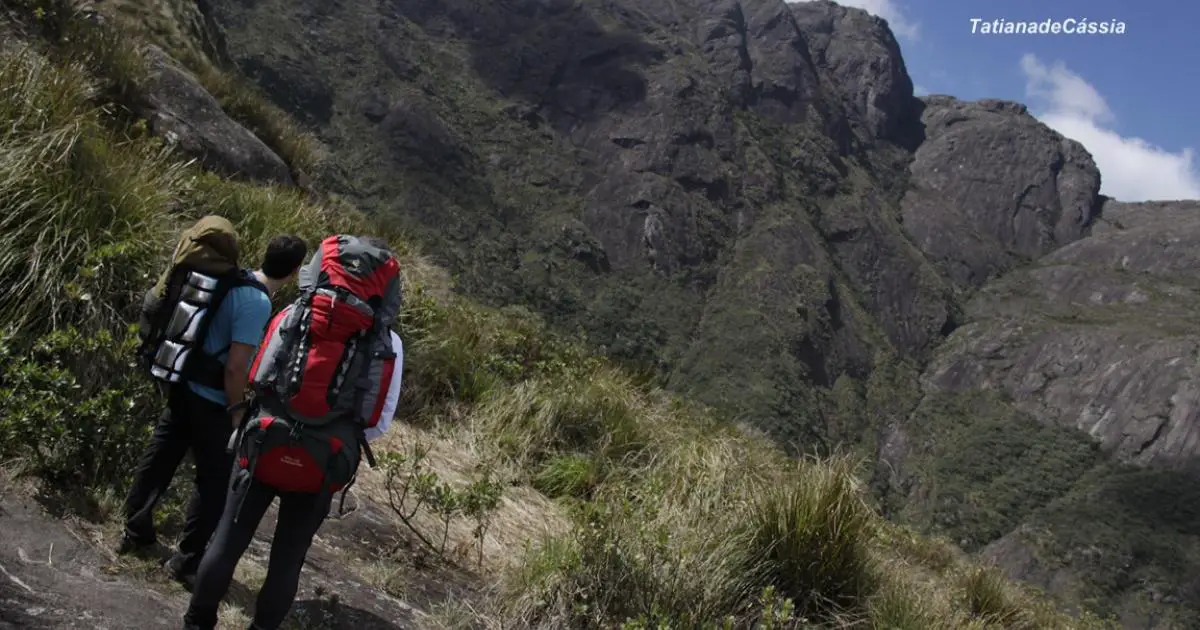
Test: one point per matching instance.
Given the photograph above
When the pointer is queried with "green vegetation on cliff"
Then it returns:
(677, 518)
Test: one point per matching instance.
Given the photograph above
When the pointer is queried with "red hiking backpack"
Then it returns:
(322, 373)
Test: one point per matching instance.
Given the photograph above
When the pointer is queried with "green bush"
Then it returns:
(665, 551)
(460, 352)
(988, 467)
(537, 419)
(810, 538)
(77, 413)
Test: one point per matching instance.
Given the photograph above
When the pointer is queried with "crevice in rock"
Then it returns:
(716, 191)
(627, 143)
(833, 306)
(1158, 431)
(814, 361)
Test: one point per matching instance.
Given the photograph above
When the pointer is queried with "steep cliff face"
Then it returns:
(1100, 335)
(862, 63)
(685, 182)
(745, 196)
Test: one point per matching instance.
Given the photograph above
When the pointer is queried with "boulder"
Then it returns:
(179, 109)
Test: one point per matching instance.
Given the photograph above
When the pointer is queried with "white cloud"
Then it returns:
(902, 26)
(1131, 168)
(920, 90)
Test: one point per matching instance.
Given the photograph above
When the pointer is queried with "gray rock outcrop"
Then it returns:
(859, 53)
(1100, 335)
(180, 110)
(993, 188)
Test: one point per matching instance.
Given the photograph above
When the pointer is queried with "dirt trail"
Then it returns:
(60, 573)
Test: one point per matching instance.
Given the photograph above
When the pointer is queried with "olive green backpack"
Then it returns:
(175, 315)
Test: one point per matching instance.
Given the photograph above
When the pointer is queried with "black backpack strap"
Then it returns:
(246, 476)
(247, 278)
(364, 447)
(342, 500)
(207, 369)
(366, 450)
(363, 385)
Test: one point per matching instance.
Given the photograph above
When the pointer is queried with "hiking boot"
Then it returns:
(176, 570)
(130, 545)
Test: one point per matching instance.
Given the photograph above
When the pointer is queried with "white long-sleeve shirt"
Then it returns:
(393, 394)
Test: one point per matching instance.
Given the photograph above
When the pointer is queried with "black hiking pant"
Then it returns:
(189, 422)
(299, 518)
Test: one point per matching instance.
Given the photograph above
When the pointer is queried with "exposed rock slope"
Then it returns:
(179, 109)
(1096, 342)
(1100, 335)
(63, 575)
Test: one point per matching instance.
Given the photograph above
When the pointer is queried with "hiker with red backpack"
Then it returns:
(200, 325)
(326, 382)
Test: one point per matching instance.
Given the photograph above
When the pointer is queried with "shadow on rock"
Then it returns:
(331, 614)
(551, 53)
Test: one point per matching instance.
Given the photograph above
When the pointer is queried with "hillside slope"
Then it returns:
(744, 197)
(1097, 342)
(747, 197)
(575, 494)
(720, 190)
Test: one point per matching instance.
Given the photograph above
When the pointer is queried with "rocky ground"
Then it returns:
(62, 574)
(365, 570)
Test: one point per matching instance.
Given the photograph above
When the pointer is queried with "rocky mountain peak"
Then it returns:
(861, 59)
(992, 187)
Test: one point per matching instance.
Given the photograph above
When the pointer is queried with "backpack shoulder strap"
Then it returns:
(247, 278)
(204, 368)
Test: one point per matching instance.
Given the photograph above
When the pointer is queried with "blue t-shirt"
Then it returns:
(242, 318)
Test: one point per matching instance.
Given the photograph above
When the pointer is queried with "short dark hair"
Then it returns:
(285, 254)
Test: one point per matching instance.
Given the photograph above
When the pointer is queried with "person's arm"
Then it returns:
(237, 373)
(393, 395)
(250, 320)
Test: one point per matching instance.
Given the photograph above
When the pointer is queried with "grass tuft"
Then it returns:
(81, 207)
(539, 418)
(810, 537)
(989, 596)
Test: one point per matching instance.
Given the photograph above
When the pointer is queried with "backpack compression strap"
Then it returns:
(363, 385)
(206, 369)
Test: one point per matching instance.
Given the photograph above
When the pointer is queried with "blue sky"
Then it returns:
(1131, 98)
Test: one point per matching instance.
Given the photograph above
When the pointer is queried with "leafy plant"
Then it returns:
(77, 413)
(411, 487)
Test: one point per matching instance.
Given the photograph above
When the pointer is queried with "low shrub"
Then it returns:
(76, 414)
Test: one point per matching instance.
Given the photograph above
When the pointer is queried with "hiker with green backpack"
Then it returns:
(200, 326)
(326, 382)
